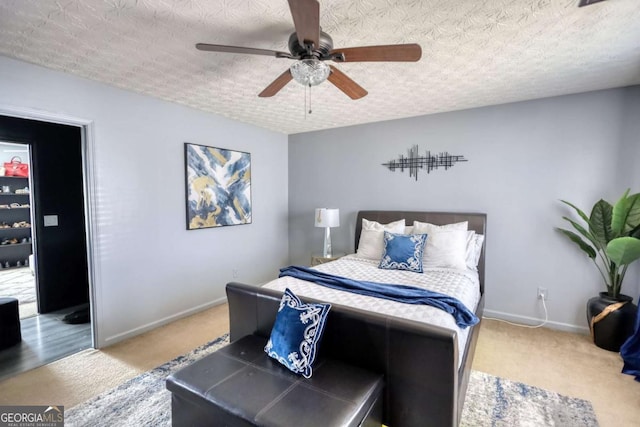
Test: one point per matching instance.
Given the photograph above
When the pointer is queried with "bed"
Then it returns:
(426, 365)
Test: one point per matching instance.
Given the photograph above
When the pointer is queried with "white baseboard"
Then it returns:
(153, 325)
(525, 320)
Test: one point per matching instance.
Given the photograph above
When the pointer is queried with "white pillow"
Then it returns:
(371, 244)
(446, 245)
(474, 249)
(464, 225)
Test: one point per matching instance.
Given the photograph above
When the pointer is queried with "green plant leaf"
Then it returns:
(620, 214)
(588, 249)
(600, 222)
(626, 214)
(582, 214)
(585, 233)
(624, 250)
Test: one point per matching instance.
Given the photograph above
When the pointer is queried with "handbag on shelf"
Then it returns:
(16, 168)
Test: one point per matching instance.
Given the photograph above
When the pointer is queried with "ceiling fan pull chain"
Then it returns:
(305, 103)
(309, 98)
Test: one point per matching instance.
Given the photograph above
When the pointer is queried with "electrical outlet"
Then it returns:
(543, 293)
(234, 272)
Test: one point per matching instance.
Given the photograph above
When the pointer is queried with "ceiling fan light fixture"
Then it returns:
(310, 71)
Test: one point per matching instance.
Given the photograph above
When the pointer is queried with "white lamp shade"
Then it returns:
(326, 217)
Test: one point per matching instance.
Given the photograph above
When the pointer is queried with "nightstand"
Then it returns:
(319, 259)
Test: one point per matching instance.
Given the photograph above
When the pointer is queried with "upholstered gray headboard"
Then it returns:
(477, 222)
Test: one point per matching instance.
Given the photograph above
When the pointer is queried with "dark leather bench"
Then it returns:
(10, 333)
(239, 385)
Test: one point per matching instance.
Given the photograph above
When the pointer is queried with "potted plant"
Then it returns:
(611, 238)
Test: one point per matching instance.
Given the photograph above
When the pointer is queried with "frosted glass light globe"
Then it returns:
(310, 72)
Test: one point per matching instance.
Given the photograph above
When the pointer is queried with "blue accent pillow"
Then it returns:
(403, 252)
(296, 333)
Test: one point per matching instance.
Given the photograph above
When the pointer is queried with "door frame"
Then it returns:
(87, 144)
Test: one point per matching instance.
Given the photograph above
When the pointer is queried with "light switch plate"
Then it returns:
(51, 220)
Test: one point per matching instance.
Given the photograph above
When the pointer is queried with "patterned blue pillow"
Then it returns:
(403, 252)
(296, 333)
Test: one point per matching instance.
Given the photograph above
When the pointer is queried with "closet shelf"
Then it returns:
(16, 192)
(8, 245)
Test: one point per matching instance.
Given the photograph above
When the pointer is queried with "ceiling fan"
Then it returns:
(310, 47)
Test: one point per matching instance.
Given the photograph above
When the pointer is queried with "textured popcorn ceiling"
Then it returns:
(475, 52)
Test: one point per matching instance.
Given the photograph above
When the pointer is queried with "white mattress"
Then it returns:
(461, 284)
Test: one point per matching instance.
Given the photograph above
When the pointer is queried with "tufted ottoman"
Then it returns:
(239, 385)
(9, 323)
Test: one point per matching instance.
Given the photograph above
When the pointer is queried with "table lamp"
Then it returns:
(327, 218)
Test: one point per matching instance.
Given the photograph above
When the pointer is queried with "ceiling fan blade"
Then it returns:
(276, 85)
(306, 18)
(238, 49)
(340, 80)
(394, 52)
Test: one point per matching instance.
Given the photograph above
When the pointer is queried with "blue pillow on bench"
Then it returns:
(296, 333)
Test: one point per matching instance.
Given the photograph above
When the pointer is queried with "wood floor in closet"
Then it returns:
(45, 338)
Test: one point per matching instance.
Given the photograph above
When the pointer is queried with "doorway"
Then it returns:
(59, 242)
(17, 274)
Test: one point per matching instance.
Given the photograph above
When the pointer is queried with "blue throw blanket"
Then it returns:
(630, 351)
(400, 293)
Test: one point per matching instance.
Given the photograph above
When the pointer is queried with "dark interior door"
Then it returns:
(58, 192)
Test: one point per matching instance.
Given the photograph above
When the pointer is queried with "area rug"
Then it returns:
(18, 283)
(490, 401)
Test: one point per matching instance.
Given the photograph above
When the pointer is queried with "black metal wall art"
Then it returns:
(413, 162)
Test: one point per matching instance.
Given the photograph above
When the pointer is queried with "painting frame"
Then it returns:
(217, 187)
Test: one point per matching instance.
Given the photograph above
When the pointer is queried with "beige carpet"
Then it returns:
(77, 378)
(557, 361)
(562, 362)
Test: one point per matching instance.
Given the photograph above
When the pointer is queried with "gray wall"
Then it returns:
(523, 158)
(629, 171)
(149, 269)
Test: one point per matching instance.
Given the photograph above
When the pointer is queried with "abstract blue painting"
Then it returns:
(218, 186)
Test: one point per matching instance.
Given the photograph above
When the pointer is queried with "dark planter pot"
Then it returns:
(610, 330)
